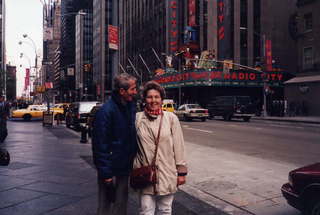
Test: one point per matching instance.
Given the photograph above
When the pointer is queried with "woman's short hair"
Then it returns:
(152, 85)
(122, 81)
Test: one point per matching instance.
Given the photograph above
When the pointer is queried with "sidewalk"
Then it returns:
(52, 173)
(296, 119)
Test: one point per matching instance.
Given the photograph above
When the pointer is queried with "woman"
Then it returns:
(170, 159)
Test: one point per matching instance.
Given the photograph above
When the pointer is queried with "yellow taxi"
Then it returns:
(58, 110)
(31, 112)
(168, 105)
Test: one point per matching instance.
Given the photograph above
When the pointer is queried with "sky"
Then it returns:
(23, 17)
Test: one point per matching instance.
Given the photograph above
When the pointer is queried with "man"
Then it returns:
(114, 146)
(4, 113)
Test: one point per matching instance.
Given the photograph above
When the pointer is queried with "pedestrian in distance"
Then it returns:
(4, 114)
(160, 140)
(114, 146)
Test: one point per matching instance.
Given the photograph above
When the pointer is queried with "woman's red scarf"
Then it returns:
(153, 113)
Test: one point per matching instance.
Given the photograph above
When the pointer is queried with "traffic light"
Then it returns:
(87, 67)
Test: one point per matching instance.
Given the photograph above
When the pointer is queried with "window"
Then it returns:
(307, 58)
(308, 21)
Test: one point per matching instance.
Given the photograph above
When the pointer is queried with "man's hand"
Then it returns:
(110, 189)
(181, 180)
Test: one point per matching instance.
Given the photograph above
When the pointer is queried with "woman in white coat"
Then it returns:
(170, 159)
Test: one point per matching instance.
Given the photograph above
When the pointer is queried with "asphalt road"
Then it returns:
(278, 141)
(245, 163)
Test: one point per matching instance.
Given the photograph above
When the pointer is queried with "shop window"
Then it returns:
(307, 58)
(308, 21)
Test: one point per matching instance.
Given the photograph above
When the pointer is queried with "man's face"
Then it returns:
(129, 94)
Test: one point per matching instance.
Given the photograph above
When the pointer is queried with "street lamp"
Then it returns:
(263, 67)
(34, 47)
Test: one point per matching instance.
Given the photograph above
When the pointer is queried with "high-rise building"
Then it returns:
(302, 92)
(2, 48)
(11, 82)
(106, 16)
(51, 41)
(83, 63)
(69, 9)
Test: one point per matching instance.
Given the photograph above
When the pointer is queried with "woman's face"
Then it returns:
(153, 100)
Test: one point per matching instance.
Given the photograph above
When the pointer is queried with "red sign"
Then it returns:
(113, 37)
(173, 26)
(238, 76)
(268, 55)
(48, 85)
(27, 79)
(192, 13)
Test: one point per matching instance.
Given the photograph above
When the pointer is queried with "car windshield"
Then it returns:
(86, 107)
(193, 106)
(243, 100)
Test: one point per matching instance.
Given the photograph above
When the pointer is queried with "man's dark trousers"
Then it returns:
(119, 206)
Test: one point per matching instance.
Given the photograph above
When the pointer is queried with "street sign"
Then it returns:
(47, 63)
(47, 118)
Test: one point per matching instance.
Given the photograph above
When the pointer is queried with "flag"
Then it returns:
(48, 85)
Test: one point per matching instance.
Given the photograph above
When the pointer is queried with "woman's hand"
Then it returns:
(181, 180)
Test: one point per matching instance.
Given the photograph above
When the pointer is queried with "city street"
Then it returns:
(236, 167)
(245, 164)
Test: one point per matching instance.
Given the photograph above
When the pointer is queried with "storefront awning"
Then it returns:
(296, 80)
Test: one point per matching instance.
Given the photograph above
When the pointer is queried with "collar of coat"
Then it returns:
(117, 99)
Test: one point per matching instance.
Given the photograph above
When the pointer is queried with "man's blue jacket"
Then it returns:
(114, 138)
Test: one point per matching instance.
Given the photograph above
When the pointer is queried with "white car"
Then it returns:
(192, 111)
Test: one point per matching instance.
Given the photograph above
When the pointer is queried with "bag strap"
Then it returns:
(157, 142)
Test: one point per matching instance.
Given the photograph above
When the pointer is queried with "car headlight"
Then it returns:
(290, 179)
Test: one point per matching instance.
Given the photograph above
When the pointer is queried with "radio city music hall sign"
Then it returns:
(220, 76)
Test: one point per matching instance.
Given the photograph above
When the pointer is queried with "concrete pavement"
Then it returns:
(51, 173)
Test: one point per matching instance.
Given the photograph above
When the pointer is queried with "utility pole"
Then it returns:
(263, 68)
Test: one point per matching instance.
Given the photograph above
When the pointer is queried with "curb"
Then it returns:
(289, 120)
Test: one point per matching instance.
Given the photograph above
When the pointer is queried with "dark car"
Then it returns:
(232, 107)
(78, 113)
(303, 189)
(91, 118)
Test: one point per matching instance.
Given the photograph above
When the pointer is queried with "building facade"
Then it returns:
(189, 33)
(2, 48)
(51, 41)
(11, 80)
(83, 63)
(302, 92)
(69, 9)
(106, 16)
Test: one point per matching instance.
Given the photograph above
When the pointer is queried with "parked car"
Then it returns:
(31, 112)
(232, 107)
(91, 118)
(192, 111)
(303, 189)
(78, 113)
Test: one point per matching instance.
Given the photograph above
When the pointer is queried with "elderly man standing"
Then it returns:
(114, 146)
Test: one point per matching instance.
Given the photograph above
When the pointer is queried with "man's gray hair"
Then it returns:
(122, 81)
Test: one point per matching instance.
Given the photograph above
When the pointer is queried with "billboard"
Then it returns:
(113, 37)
